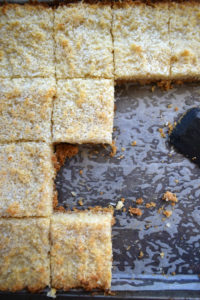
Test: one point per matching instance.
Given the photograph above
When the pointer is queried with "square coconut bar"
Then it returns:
(26, 41)
(25, 109)
(141, 41)
(83, 111)
(81, 250)
(83, 41)
(26, 185)
(185, 40)
(24, 254)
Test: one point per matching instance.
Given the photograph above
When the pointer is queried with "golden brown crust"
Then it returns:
(24, 254)
(25, 109)
(81, 252)
(64, 151)
(27, 180)
(75, 26)
(88, 105)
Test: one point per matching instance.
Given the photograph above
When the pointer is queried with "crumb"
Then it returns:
(169, 106)
(64, 151)
(119, 205)
(173, 273)
(165, 85)
(162, 134)
(101, 193)
(153, 88)
(124, 209)
(151, 204)
(52, 293)
(141, 255)
(114, 129)
(134, 143)
(123, 149)
(176, 108)
(160, 209)
(139, 201)
(162, 254)
(123, 199)
(135, 211)
(120, 157)
(169, 196)
(73, 194)
(114, 149)
(167, 213)
(170, 128)
(128, 248)
(147, 226)
(176, 181)
(81, 172)
(59, 209)
(80, 202)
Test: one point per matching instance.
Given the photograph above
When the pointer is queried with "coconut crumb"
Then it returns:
(134, 143)
(59, 209)
(73, 194)
(114, 149)
(139, 201)
(141, 255)
(176, 181)
(81, 172)
(135, 211)
(173, 273)
(128, 248)
(147, 226)
(162, 134)
(80, 202)
(176, 108)
(52, 293)
(165, 85)
(119, 205)
(169, 106)
(170, 128)
(162, 254)
(169, 196)
(167, 213)
(150, 204)
(160, 209)
(124, 209)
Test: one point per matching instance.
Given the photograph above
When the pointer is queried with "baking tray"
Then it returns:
(146, 170)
